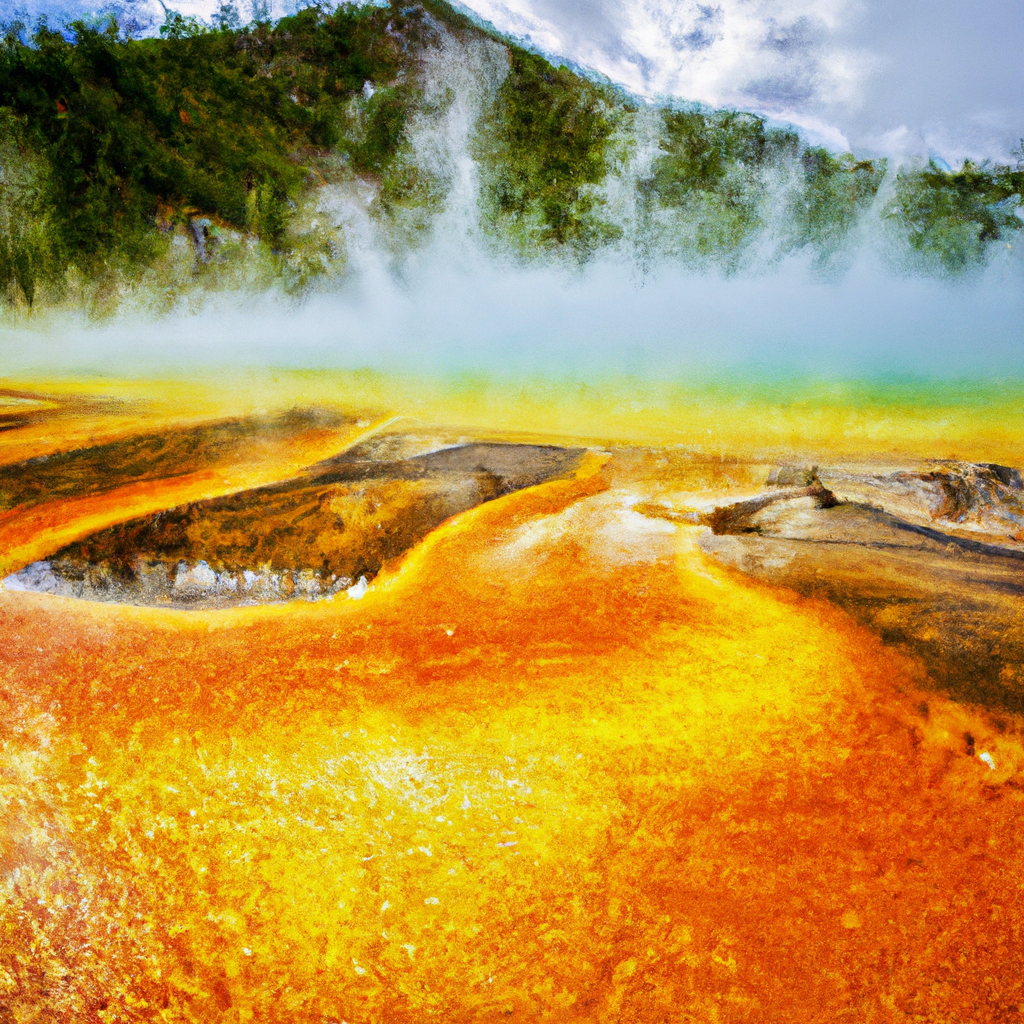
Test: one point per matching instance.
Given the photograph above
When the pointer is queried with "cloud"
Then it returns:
(778, 56)
(926, 74)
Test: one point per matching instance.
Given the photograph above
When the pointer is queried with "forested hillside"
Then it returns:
(257, 156)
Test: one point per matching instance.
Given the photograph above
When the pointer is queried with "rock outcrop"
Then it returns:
(957, 496)
(308, 538)
(951, 599)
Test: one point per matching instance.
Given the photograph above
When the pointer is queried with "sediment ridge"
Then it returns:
(930, 558)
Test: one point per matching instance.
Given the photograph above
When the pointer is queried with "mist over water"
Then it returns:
(490, 318)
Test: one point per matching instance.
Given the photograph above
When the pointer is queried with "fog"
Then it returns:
(548, 321)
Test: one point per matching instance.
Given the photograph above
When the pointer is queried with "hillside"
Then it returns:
(264, 155)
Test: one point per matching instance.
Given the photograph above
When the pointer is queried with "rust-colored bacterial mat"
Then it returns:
(581, 730)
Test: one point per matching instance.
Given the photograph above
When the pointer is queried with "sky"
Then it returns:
(911, 76)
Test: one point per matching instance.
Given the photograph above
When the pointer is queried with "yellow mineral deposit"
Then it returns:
(555, 764)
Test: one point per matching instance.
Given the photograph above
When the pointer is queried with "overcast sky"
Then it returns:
(942, 77)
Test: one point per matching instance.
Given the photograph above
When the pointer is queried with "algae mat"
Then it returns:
(554, 764)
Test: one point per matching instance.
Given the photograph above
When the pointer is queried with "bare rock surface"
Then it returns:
(954, 601)
(187, 584)
(965, 498)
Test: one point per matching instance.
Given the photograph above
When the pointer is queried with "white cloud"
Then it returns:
(782, 57)
(841, 69)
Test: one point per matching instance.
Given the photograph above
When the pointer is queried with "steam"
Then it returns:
(449, 317)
